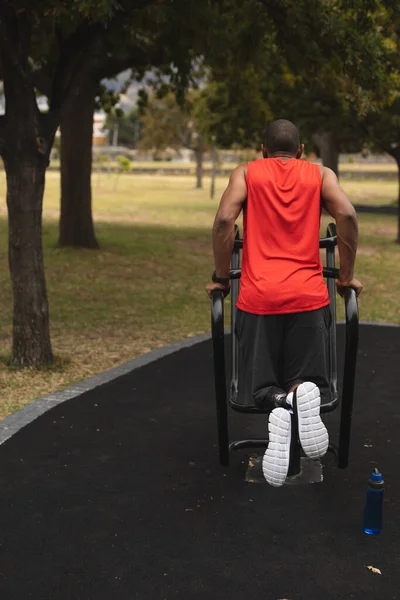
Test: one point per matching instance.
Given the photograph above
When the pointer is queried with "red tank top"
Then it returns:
(281, 265)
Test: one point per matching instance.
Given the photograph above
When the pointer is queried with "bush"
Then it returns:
(124, 164)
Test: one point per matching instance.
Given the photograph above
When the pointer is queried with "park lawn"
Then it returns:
(144, 287)
(174, 197)
(390, 167)
(171, 199)
(166, 165)
(376, 192)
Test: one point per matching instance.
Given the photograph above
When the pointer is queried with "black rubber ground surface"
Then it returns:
(118, 494)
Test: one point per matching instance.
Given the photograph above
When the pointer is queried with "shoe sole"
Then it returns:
(275, 464)
(313, 434)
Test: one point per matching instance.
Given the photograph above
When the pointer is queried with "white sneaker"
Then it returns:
(313, 434)
(275, 464)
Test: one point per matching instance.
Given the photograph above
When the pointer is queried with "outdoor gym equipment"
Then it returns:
(345, 399)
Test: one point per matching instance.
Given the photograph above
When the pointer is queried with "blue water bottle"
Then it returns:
(373, 506)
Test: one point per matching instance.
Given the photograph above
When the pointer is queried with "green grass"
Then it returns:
(168, 165)
(371, 192)
(145, 287)
(160, 197)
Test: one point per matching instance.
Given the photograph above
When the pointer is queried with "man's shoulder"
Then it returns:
(313, 167)
(240, 170)
(327, 173)
(256, 162)
(255, 165)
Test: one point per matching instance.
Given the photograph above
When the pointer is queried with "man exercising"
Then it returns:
(283, 313)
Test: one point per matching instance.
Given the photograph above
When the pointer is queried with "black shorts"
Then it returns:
(282, 350)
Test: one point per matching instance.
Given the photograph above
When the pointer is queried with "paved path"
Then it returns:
(117, 495)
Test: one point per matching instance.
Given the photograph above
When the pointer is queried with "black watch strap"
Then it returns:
(221, 280)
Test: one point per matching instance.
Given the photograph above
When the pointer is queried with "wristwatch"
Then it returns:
(221, 280)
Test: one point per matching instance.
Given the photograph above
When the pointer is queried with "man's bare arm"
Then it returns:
(224, 224)
(341, 209)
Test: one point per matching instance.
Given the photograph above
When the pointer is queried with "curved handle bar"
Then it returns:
(331, 230)
(327, 242)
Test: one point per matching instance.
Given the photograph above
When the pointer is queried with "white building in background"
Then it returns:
(100, 134)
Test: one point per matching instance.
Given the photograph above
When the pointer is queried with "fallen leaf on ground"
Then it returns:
(374, 569)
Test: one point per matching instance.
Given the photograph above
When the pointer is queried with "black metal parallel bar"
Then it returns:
(235, 267)
(330, 264)
(349, 375)
(235, 272)
(217, 327)
(330, 241)
(331, 272)
(248, 444)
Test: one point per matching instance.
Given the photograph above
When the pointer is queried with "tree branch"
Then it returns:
(113, 66)
(42, 82)
(137, 59)
(75, 50)
(9, 40)
(184, 137)
(73, 54)
(388, 148)
(393, 151)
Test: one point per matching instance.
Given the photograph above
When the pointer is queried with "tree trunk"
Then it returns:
(395, 152)
(31, 339)
(328, 150)
(26, 140)
(76, 221)
(199, 152)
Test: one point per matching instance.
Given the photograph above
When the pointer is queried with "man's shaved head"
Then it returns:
(282, 136)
